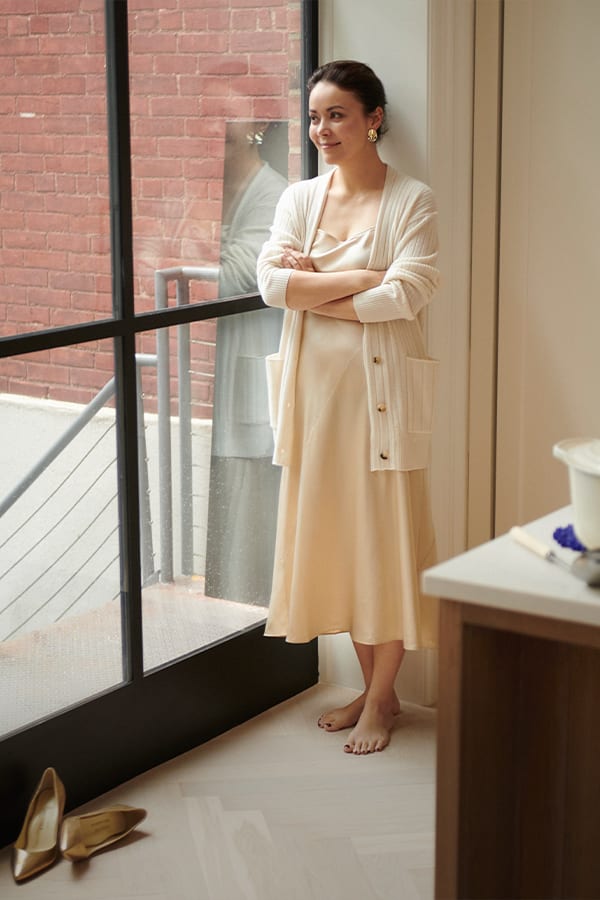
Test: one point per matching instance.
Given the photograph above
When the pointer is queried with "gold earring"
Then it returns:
(372, 135)
(255, 137)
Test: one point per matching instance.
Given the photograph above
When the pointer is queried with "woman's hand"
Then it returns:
(294, 259)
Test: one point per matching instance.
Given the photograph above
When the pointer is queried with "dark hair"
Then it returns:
(357, 78)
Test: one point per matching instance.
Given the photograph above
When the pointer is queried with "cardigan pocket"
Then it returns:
(420, 387)
(274, 367)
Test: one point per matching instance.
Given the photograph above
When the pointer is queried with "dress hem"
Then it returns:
(426, 645)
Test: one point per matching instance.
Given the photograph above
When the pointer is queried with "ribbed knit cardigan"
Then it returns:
(399, 374)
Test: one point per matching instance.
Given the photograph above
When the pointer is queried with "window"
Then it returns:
(122, 290)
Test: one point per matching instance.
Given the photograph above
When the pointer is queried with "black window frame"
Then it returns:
(126, 730)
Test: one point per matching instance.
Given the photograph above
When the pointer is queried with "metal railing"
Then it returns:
(58, 447)
(182, 276)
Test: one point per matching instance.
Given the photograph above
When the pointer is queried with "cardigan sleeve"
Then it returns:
(286, 231)
(412, 277)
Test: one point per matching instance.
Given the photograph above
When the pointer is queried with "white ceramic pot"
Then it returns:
(582, 456)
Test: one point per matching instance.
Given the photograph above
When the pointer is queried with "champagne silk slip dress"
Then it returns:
(350, 542)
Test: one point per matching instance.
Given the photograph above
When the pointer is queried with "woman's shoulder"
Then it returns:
(404, 187)
(308, 187)
(407, 202)
(301, 196)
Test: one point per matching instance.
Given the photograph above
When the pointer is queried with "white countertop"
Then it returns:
(504, 575)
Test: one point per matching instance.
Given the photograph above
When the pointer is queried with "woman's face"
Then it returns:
(339, 123)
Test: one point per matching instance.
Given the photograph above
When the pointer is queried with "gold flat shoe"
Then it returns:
(36, 848)
(80, 836)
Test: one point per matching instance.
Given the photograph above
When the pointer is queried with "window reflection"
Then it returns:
(215, 140)
(244, 485)
(179, 615)
(208, 557)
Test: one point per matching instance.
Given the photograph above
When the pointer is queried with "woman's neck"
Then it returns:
(351, 179)
(353, 200)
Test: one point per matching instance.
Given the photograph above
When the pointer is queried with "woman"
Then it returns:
(352, 260)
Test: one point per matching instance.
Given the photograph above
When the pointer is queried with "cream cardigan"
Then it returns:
(399, 374)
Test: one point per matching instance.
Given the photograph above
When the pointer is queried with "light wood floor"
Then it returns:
(272, 810)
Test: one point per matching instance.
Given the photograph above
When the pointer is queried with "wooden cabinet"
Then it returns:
(518, 780)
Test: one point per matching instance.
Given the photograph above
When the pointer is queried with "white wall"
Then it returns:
(423, 52)
(391, 36)
(549, 266)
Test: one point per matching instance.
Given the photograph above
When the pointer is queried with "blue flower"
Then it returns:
(566, 537)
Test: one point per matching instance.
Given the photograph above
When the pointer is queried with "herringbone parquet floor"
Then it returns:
(272, 810)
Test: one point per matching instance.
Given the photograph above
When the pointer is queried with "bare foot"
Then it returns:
(347, 716)
(344, 717)
(372, 731)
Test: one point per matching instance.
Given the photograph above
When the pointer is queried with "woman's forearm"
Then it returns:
(306, 290)
(338, 309)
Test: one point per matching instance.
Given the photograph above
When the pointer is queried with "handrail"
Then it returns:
(85, 416)
(182, 275)
(88, 413)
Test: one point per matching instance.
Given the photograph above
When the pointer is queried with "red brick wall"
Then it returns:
(193, 65)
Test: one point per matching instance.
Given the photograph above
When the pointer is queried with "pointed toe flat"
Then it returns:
(81, 836)
(36, 848)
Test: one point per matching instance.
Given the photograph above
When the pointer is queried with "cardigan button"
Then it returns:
(381, 407)
(376, 360)
(383, 455)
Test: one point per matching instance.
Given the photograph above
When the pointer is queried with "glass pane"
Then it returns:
(215, 100)
(215, 104)
(60, 611)
(208, 513)
(54, 228)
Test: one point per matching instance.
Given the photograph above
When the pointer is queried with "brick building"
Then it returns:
(194, 67)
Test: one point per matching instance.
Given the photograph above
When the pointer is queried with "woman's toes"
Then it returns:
(326, 721)
(344, 717)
